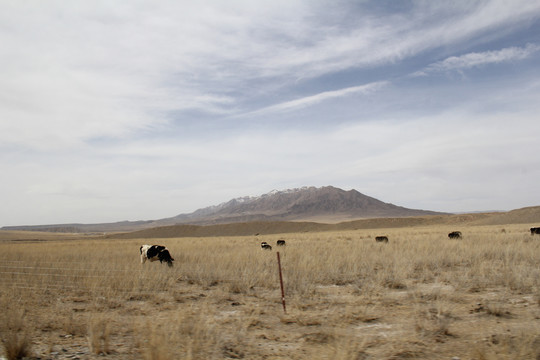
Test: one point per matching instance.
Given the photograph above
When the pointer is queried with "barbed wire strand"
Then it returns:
(105, 289)
(64, 268)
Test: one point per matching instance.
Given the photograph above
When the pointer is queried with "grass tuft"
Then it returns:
(15, 336)
(99, 336)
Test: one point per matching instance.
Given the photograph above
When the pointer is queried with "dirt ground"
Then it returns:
(173, 314)
(337, 322)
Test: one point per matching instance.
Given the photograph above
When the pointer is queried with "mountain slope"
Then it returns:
(306, 203)
(525, 215)
(254, 228)
(326, 204)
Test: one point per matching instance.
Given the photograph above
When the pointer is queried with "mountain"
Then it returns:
(326, 204)
(86, 228)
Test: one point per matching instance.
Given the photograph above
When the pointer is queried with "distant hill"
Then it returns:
(520, 216)
(86, 228)
(529, 215)
(525, 215)
(327, 205)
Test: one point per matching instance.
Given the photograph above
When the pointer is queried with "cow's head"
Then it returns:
(165, 255)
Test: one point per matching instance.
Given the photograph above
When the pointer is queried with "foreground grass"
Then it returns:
(419, 296)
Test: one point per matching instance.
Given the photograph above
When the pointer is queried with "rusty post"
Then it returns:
(281, 283)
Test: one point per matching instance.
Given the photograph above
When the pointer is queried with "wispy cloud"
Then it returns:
(476, 59)
(136, 102)
(318, 98)
(114, 70)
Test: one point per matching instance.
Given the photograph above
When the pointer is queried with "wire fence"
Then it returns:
(69, 269)
(50, 276)
(74, 289)
(134, 278)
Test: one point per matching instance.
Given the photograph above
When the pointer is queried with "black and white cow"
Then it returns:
(535, 230)
(280, 242)
(455, 235)
(155, 253)
(381, 239)
(266, 246)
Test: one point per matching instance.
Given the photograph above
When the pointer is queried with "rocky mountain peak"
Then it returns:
(297, 204)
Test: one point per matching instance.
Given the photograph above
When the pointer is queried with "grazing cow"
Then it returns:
(266, 246)
(281, 242)
(381, 239)
(155, 253)
(455, 235)
(535, 230)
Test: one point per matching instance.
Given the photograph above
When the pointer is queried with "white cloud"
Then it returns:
(101, 103)
(477, 59)
(427, 162)
(75, 71)
(318, 98)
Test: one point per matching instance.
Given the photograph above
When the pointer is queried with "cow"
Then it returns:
(155, 253)
(381, 239)
(535, 230)
(455, 235)
(266, 246)
(280, 242)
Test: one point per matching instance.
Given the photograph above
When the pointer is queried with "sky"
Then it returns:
(140, 110)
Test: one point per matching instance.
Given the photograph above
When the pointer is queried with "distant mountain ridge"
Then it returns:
(324, 204)
(298, 204)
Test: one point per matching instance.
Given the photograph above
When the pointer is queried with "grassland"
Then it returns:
(421, 296)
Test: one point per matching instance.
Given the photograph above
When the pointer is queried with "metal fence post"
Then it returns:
(281, 283)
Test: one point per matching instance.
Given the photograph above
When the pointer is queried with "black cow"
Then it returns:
(155, 253)
(455, 235)
(266, 246)
(280, 242)
(535, 230)
(381, 239)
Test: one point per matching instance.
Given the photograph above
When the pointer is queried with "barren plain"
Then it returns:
(419, 296)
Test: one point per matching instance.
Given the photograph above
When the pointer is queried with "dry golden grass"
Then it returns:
(421, 296)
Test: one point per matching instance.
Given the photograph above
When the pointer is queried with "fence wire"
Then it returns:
(51, 277)
(54, 278)
(69, 269)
